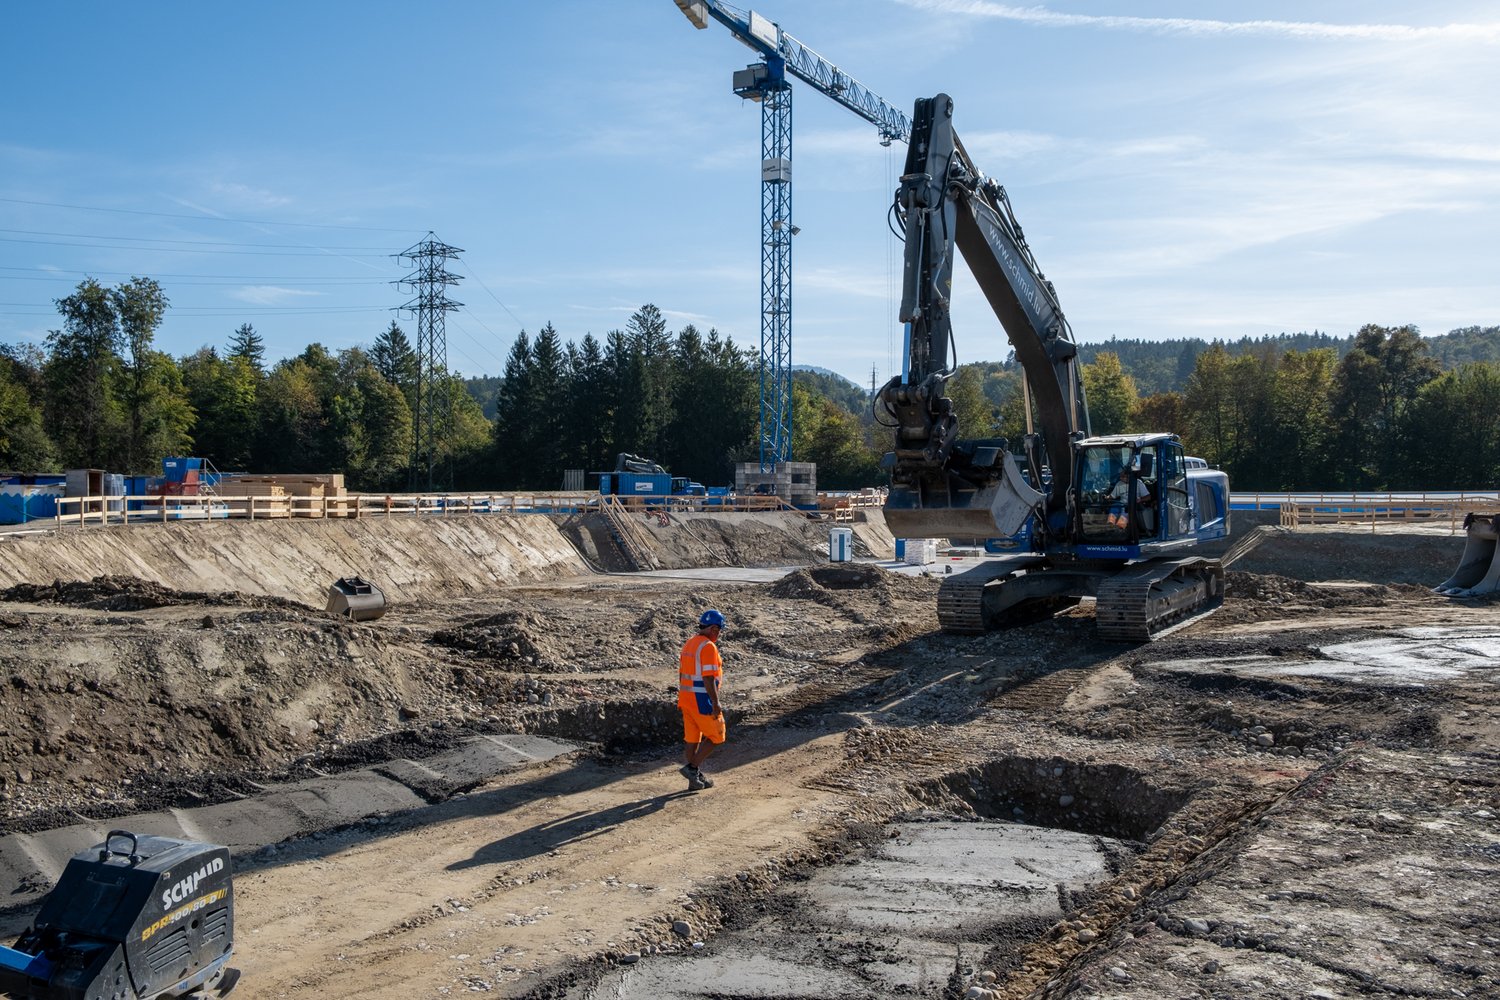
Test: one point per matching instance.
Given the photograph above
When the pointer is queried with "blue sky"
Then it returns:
(1180, 169)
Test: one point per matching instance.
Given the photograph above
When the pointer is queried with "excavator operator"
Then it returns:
(1118, 508)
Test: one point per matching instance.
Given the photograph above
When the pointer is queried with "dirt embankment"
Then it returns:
(1388, 556)
(408, 558)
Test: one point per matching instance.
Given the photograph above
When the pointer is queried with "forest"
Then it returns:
(1384, 408)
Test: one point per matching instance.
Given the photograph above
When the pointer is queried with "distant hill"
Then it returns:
(850, 395)
(829, 372)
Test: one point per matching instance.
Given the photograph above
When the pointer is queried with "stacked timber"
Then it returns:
(290, 494)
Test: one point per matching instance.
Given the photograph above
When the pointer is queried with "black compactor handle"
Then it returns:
(105, 852)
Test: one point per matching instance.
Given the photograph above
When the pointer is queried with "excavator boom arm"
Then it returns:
(940, 483)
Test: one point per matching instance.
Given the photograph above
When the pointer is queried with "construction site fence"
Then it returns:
(1386, 509)
(108, 510)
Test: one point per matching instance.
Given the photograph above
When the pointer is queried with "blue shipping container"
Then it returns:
(632, 484)
(19, 504)
(176, 469)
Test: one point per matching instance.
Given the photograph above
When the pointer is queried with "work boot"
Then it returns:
(699, 781)
(688, 771)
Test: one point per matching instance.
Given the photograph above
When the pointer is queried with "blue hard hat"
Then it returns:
(710, 617)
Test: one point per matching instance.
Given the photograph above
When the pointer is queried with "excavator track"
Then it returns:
(1150, 600)
(1139, 603)
(971, 603)
(961, 598)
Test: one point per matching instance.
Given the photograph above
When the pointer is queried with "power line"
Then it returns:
(249, 253)
(210, 243)
(31, 309)
(491, 294)
(233, 277)
(191, 280)
(479, 344)
(202, 218)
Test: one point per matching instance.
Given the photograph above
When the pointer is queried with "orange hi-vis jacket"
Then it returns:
(699, 659)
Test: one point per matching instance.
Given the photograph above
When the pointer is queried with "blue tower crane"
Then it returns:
(765, 82)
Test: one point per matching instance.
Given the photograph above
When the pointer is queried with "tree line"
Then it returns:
(1378, 410)
(1380, 413)
(1166, 365)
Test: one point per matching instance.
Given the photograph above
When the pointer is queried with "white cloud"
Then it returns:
(271, 295)
(245, 196)
(1203, 27)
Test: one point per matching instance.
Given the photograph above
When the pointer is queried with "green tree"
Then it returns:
(1163, 411)
(547, 386)
(1302, 429)
(1451, 432)
(369, 425)
(81, 408)
(290, 420)
(1209, 408)
(24, 444)
(515, 417)
(589, 408)
(394, 359)
(717, 407)
(1375, 384)
(158, 417)
(249, 346)
(466, 448)
(1111, 393)
(976, 414)
(826, 433)
(648, 406)
(387, 420)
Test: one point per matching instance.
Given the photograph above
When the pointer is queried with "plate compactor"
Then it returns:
(154, 920)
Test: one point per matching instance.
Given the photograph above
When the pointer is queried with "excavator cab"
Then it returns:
(1140, 490)
(1117, 491)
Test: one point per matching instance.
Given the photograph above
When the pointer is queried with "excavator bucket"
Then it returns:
(1479, 567)
(996, 510)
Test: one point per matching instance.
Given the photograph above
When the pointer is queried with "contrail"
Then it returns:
(1483, 33)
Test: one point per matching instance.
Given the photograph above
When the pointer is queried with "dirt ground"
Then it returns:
(1353, 853)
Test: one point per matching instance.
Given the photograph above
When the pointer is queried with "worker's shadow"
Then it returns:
(571, 829)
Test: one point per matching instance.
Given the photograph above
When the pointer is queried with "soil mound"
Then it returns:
(127, 593)
(1258, 596)
(817, 581)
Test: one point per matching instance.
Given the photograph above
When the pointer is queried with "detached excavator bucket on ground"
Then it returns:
(1478, 570)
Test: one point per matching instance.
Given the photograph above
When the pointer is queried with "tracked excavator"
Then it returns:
(1118, 518)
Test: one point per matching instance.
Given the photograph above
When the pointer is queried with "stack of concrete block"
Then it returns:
(794, 482)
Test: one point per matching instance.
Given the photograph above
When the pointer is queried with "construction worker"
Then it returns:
(699, 672)
(1118, 497)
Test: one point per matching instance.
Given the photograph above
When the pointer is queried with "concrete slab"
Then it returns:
(946, 876)
(1410, 656)
(896, 922)
(735, 975)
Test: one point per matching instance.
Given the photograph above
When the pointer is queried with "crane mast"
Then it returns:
(765, 82)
